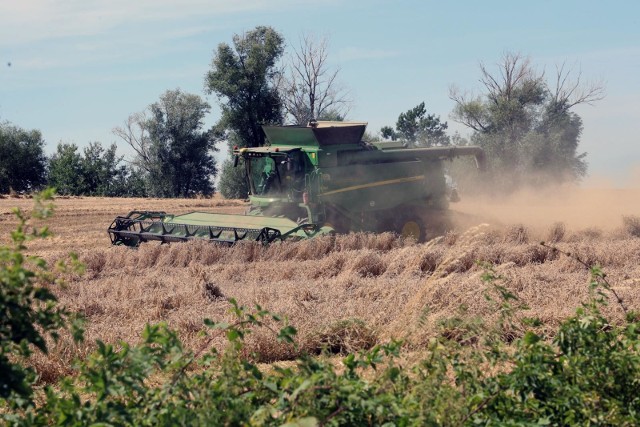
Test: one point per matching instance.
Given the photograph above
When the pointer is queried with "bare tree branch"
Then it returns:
(310, 90)
(134, 133)
(514, 71)
(570, 93)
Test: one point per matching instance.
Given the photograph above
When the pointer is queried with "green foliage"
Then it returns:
(180, 159)
(526, 125)
(100, 170)
(242, 76)
(94, 172)
(28, 307)
(418, 128)
(129, 181)
(233, 182)
(586, 375)
(22, 159)
(65, 170)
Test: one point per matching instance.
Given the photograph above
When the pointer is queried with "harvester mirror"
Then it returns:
(235, 161)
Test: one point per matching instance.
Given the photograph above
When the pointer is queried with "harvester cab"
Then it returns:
(313, 180)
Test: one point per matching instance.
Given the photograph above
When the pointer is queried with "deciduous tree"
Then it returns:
(525, 122)
(66, 174)
(243, 76)
(100, 167)
(94, 172)
(181, 152)
(173, 150)
(22, 159)
(310, 89)
(418, 128)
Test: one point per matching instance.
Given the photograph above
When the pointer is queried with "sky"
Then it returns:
(76, 69)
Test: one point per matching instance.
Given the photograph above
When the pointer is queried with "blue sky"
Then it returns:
(81, 67)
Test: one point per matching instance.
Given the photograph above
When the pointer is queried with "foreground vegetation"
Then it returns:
(585, 371)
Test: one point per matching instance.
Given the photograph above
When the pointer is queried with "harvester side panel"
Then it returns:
(372, 187)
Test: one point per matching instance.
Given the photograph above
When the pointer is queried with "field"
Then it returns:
(344, 292)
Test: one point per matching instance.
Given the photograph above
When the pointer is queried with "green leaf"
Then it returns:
(233, 334)
(302, 422)
(530, 338)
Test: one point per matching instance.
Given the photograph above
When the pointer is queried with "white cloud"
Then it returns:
(28, 21)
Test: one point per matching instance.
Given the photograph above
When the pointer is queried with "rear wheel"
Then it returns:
(420, 224)
(412, 227)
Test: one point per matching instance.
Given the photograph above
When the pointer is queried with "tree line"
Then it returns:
(94, 171)
(523, 119)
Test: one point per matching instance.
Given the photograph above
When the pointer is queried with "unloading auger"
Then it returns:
(315, 180)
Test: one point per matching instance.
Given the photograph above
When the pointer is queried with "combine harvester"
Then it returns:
(315, 180)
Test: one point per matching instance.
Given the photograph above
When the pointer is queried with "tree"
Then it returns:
(233, 182)
(22, 159)
(418, 128)
(66, 174)
(95, 172)
(181, 152)
(129, 181)
(100, 169)
(310, 90)
(243, 77)
(172, 149)
(525, 124)
(135, 133)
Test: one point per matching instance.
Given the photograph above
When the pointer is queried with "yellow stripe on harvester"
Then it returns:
(374, 184)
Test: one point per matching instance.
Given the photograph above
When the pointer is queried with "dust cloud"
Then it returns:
(594, 205)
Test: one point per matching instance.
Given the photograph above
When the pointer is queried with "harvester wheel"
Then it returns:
(412, 227)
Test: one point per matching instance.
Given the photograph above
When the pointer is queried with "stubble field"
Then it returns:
(342, 293)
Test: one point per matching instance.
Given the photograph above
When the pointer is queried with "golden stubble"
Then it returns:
(378, 286)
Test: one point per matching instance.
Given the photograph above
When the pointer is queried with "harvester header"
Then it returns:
(314, 180)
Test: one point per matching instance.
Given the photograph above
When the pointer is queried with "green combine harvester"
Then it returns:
(315, 180)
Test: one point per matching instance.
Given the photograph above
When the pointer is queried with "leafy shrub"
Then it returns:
(28, 307)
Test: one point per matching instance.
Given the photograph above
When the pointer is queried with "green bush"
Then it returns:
(28, 307)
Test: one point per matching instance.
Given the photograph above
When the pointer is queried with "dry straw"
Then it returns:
(342, 293)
